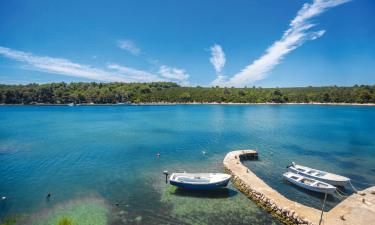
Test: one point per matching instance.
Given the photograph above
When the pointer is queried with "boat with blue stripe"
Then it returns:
(199, 181)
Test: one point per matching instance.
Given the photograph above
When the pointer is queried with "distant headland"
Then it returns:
(167, 93)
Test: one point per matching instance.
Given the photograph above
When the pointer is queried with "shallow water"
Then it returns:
(109, 152)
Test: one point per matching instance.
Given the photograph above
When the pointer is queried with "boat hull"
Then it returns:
(199, 181)
(329, 189)
(209, 186)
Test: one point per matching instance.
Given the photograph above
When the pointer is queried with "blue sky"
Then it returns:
(212, 42)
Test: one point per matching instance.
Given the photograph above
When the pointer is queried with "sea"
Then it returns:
(97, 165)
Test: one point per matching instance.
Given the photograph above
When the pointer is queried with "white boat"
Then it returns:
(309, 183)
(326, 177)
(199, 181)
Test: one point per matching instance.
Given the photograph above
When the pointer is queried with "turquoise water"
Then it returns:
(107, 154)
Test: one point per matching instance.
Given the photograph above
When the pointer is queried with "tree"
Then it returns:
(326, 97)
(185, 97)
(364, 96)
(277, 96)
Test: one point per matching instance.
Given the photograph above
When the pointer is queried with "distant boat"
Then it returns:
(199, 181)
(309, 183)
(71, 104)
(326, 177)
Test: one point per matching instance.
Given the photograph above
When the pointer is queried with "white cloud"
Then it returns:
(297, 34)
(220, 80)
(113, 72)
(61, 66)
(217, 58)
(174, 74)
(134, 74)
(129, 46)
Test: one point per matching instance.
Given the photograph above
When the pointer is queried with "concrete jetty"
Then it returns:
(357, 209)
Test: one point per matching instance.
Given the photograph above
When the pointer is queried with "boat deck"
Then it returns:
(329, 176)
(358, 209)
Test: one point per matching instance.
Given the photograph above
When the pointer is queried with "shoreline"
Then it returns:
(195, 103)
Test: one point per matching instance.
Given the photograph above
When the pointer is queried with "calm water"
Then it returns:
(106, 154)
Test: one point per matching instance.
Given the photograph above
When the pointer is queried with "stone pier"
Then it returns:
(358, 209)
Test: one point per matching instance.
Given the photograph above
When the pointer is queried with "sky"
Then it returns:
(237, 43)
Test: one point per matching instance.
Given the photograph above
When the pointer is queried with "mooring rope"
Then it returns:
(340, 195)
(354, 189)
(321, 214)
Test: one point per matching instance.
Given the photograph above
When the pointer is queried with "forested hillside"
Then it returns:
(105, 93)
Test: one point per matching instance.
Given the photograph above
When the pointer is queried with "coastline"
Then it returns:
(195, 103)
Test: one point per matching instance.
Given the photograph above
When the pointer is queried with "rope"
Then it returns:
(324, 202)
(340, 193)
(354, 189)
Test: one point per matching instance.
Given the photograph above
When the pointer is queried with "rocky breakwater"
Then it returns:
(358, 208)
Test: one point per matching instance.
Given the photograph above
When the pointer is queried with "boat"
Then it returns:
(71, 104)
(326, 177)
(309, 183)
(199, 181)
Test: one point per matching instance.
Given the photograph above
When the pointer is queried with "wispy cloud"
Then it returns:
(61, 66)
(129, 45)
(112, 73)
(134, 74)
(174, 74)
(165, 73)
(217, 58)
(299, 32)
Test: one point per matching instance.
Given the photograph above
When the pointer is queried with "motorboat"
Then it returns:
(199, 181)
(309, 183)
(326, 177)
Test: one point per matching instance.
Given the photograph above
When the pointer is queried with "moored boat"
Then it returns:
(309, 183)
(326, 177)
(199, 181)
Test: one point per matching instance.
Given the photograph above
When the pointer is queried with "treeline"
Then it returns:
(110, 93)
